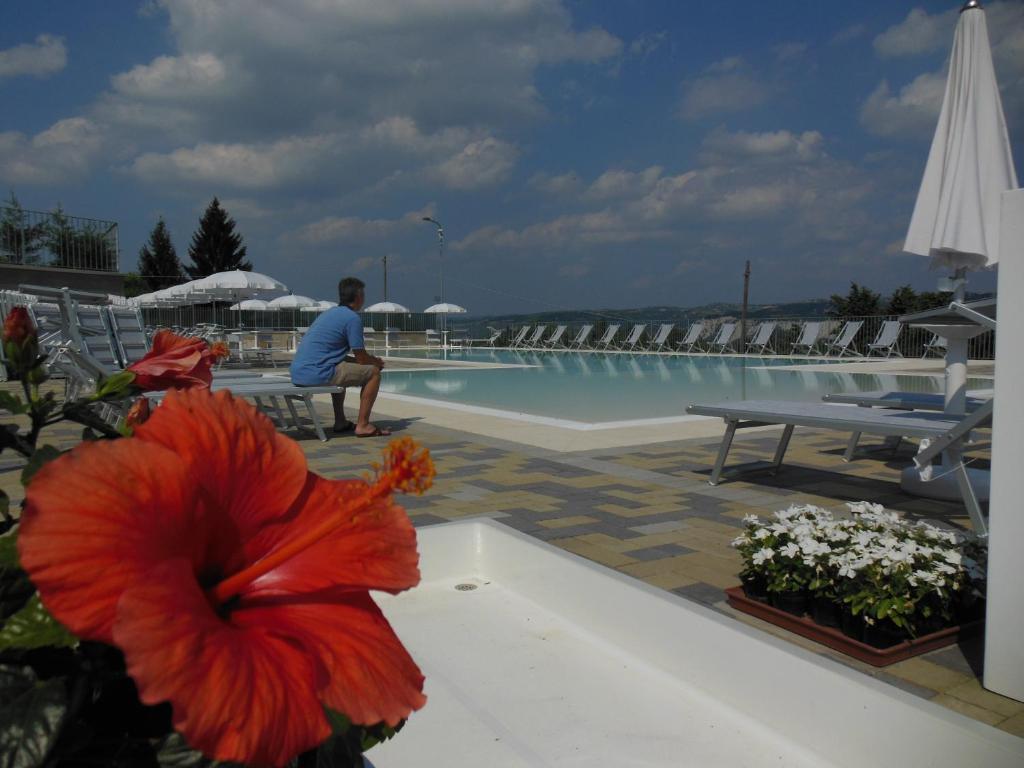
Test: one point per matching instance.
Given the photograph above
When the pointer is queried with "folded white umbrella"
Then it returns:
(291, 301)
(386, 307)
(956, 217)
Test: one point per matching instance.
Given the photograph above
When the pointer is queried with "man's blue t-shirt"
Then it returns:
(328, 341)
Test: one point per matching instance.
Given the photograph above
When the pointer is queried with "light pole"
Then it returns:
(440, 249)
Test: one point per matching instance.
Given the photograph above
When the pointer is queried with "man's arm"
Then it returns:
(364, 358)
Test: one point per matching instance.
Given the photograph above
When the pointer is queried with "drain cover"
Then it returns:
(465, 587)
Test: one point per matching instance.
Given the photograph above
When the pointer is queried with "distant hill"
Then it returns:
(796, 309)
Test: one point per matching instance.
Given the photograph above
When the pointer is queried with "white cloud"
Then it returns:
(62, 153)
(647, 43)
(919, 33)
(725, 86)
(561, 185)
(172, 77)
(617, 183)
(45, 56)
(341, 228)
(846, 34)
(478, 164)
(911, 112)
(789, 51)
(721, 146)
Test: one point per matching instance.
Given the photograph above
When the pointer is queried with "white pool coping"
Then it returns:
(555, 660)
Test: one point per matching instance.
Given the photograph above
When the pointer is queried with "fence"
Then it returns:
(279, 319)
(911, 343)
(35, 238)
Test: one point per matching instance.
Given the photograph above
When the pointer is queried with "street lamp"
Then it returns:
(440, 249)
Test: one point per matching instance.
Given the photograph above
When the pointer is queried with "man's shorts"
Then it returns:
(348, 374)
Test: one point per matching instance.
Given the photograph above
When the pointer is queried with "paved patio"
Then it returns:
(647, 511)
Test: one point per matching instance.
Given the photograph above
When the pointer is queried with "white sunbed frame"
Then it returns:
(886, 343)
(519, 337)
(535, 339)
(762, 341)
(692, 339)
(844, 339)
(581, 337)
(810, 337)
(723, 337)
(946, 433)
(661, 337)
(607, 341)
(634, 337)
(555, 338)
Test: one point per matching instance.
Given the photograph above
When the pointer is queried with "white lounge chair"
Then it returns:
(433, 339)
(937, 344)
(607, 339)
(634, 337)
(518, 339)
(535, 338)
(762, 341)
(490, 340)
(809, 338)
(723, 338)
(887, 341)
(581, 337)
(661, 337)
(692, 339)
(945, 432)
(843, 342)
(555, 339)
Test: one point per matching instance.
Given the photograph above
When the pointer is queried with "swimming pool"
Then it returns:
(595, 388)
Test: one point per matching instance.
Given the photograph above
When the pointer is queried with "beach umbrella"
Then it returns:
(145, 300)
(251, 305)
(240, 284)
(386, 308)
(444, 309)
(320, 306)
(291, 301)
(956, 217)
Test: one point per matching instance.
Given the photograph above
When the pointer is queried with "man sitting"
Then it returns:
(333, 352)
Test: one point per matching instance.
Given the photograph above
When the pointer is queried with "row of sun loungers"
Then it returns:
(86, 341)
(811, 341)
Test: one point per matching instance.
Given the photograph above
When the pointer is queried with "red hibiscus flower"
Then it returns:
(174, 362)
(18, 327)
(137, 414)
(219, 350)
(234, 580)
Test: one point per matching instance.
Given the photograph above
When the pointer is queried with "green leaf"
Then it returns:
(9, 548)
(118, 385)
(34, 627)
(31, 716)
(43, 455)
(174, 752)
(11, 403)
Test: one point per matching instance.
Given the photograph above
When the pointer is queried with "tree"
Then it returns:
(215, 246)
(20, 241)
(903, 301)
(860, 301)
(134, 285)
(159, 266)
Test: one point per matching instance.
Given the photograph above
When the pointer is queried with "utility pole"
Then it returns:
(743, 314)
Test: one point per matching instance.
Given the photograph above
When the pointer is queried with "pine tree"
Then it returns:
(215, 246)
(158, 261)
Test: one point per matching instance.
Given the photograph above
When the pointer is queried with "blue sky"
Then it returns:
(579, 154)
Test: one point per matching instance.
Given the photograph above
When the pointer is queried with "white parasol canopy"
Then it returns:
(386, 307)
(956, 217)
(239, 284)
(255, 305)
(444, 309)
(320, 306)
(291, 301)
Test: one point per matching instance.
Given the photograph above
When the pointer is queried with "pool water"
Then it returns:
(596, 387)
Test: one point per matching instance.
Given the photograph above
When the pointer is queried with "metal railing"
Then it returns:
(39, 239)
(278, 319)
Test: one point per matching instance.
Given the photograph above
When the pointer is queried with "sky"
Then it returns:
(578, 154)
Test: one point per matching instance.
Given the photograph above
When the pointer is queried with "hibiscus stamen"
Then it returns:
(406, 469)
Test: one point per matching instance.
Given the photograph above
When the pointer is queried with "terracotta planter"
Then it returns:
(851, 646)
(790, 602)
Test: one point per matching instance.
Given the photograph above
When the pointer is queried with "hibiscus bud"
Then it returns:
(21, 344)
(137, 414)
